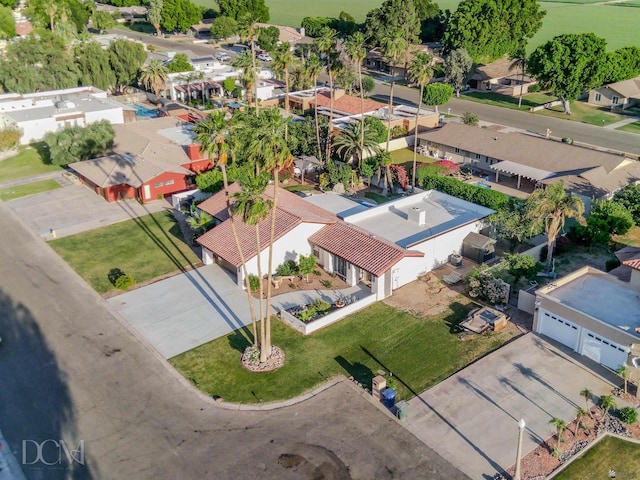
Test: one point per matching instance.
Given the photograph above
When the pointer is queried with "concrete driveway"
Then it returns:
(190, 309)
(74, 209)
(471, 419)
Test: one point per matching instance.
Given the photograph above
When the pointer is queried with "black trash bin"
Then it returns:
(389, 397)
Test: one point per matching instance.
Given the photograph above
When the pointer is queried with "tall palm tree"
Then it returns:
(519, 61)
(560, 425)
(624, 371)
(248, 31)
(313, 65)
(326, 44)
(51, 9)
(394, 45)
(154, 77)
(552, 206)
(587, 395)
(606, 404)
(350, 142)
(580, 414)
(354, 47)
(200, 221)
(248, 74)
(420, 72)
(270, 149)
(282, 61)
(253, 208)
(211, 134)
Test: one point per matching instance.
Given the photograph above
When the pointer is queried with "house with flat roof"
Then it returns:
(529, 162)
(618, 95)
(37, 114)
(383, 247)
(149, 159)
(593, 313)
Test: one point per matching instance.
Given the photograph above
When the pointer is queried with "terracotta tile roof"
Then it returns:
(635, 263)
(221, 242)
(347, 103)
(359, 247)
(216, 205)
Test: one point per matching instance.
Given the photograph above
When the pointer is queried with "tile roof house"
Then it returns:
(500, 78)
(618, 95)
(294, 36)
(149, 159)
(383, 247)
(532, 160)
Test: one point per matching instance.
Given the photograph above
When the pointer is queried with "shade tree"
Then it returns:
(457, 68)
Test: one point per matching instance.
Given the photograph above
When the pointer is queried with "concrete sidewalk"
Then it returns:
(622, 123)
(35, 178)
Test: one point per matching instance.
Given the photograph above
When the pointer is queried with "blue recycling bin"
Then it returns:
(389, 397)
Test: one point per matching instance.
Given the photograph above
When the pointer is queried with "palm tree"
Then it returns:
(248, 75)
(154, 77)
(51, 9)
(384, 161)
(211, 133)
(580, 414)
(587, 395)
(356, 52)
(519, 61)
(282, 60)
(606, 404)
(560, 425)
(349, 141)
(270, 150)
(248, 31)
(313, 66)
(326, 44)
(253, 208)
(200, 221)
(553, 206)
(624, 371)
(393, 47)
(420, 72)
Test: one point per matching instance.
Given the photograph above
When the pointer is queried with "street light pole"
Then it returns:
(521, 426)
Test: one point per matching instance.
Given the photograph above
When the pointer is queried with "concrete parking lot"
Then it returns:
(471, 418)
(74, 209)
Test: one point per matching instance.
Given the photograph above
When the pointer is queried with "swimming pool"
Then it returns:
(142, 111)
(482, 185)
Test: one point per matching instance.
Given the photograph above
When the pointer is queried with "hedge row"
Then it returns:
(482, 196)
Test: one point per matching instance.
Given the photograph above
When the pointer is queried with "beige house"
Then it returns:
(294, 36)
(499, 77)
(595, 314)
(619, 95)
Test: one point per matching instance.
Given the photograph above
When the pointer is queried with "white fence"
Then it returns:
(397, 144)
(333, 317)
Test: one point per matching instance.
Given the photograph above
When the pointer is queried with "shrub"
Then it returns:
(628, 415)
(123, 282)
(521, 265)
(114, 274)
(392, 383)
(254, 283)
(398, 131)
(629, 196)
(482, 196)
(567, 140)
(611, 264)
(485, 286)
(326, 284)
(9, 138)
(321, 306)
(534, 88)
(287, 268)
(471, 119)
(317, 273)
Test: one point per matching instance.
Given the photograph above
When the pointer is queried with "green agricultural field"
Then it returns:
(616, 22)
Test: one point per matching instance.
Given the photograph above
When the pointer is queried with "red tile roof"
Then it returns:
(221, 242)
(635, 263)
(347, 103)
(360, 248)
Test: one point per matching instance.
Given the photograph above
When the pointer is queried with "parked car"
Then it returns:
(223, 57)
(264, 57)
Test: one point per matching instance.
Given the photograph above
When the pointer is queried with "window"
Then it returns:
(157, 184)
(169, 182)
(478, 156)
(340, 266)
(598, 97)
(457, 150)
(615, 100)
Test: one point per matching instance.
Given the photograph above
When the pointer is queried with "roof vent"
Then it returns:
(418, 215)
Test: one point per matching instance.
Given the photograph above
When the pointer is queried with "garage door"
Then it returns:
(602, 350)
(558, 328)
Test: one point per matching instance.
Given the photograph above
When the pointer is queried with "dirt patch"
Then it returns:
(426, 296)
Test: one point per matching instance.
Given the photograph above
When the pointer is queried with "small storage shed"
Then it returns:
(478, 247)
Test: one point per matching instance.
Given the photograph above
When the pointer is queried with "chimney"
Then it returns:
(193, 151)
(418, 215)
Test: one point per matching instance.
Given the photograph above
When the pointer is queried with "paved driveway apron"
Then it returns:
(182, 312)
(471, 419)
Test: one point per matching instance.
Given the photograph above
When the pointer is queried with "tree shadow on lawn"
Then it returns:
(359, 371)
(43, 151)
(240, 339)
(459, 314)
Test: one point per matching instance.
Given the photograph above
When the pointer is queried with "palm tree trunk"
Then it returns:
(522, 87)
(266, 350)
(390, 111)
(255, 82)
(328, 145)
(245, 272)
(261, 288)
(286, 101)
(415, 141)
(315, 112)
(361, 113)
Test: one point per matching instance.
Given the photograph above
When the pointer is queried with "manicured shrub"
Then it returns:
(482, 196)
(534, 88)
(567, 140)
(398, 131)
(287, 268)
(254, 283)
(628, 415)
(125, 281)
(611, 264)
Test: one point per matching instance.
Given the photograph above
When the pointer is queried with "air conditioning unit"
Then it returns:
(455, 260)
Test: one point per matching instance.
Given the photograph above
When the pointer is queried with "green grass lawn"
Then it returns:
(609, 453)
(490, 98)
(631, 127)
(145, 248)
(23, 190)
(404, 157)
(26, 163)
(583, 112)
(300, 188)
(420, 352)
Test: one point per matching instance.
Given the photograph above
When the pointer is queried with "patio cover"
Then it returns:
(525, 171)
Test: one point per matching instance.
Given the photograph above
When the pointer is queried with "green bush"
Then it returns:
(482, 196)
(398, 131)
(287, 268)
(534, 88)
(320, 306)
(254, 283)
(567, 140)
(9, 138)
(611, 264)
(392, 383)
(123, 282)
(628, 415)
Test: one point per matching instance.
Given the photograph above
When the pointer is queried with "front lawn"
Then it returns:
(585, 113)
(609, 454)
(631, 127)
(146, 248)
(27, 163)
(420, 352)
(490, 98)
(25, 189)
(404, 157)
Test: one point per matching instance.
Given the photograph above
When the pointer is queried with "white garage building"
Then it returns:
(593, 313)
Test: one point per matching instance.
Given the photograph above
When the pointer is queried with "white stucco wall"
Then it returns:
(35, 130)
(115, 115)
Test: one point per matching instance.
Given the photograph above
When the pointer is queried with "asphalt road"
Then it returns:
(71, 370)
